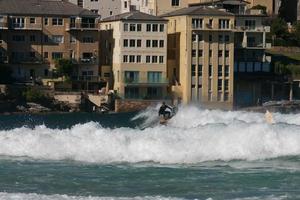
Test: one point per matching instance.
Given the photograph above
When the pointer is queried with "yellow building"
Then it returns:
(36, 34)
(135, 49)
(201, 55)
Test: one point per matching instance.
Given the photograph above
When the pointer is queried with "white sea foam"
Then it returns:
(193, 136)
(33, 196)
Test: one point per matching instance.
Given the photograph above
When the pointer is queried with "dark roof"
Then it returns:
(42, 7)
(198, 10)
(133, 16)
(226, 2)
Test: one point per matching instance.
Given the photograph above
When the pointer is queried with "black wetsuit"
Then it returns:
(162, 111)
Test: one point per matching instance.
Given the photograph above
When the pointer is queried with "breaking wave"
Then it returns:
(192, 136)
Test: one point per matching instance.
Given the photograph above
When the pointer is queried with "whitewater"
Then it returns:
(200, 154)
(192, 136)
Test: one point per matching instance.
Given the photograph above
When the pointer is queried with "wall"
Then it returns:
(133, 105)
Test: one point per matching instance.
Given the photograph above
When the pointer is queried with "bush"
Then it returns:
(34, 95)
(64, 67)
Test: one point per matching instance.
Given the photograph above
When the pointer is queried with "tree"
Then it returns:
(279, 28)
(64, 67)
(288, 10)
(296, 32)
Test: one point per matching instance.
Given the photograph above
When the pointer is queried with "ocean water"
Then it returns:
(200, 154)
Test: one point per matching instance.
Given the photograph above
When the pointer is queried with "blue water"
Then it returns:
(228, 155)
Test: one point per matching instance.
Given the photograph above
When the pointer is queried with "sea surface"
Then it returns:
(200, 154)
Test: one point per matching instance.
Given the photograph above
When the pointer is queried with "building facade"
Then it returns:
(201, 55)
(210, 48)
(35, 36)
(136, 50)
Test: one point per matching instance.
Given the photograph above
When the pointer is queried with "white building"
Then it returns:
(137, 43)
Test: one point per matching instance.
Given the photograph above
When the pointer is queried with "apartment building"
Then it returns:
(136, 52)
(104, 8)
(201, 55)
(33, 36)
(209, 47)
(271, 5)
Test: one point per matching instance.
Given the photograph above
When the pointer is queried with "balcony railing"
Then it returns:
(36, 26)
(253, 28)
(3, 25)
(86, 78)
(77, 26)
(139, 81)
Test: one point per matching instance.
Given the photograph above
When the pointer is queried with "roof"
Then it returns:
(43, 7)
(198, 10)
(227, 2)
(133, 16)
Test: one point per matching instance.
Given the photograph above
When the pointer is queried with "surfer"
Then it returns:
(163, 111)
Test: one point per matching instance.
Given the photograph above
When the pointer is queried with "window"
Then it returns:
(32, 38)
(18, 22)
(125, 59)
(200, 53)
(132, 27)
(154, 59)
(57, 21)
(132, 43)
(199, 70)
(220, 38)
(193, 72)
(58, 39)
(46, 72)
(250, 24)
(220, 53)
(88, 39)
(154, 43)
(138, 58)
(148, 59)
(148, 43)
(210, 70)
(161, 43)
(194, 37)
(46, 38)
(175, 2)
(224, 23)
(226, 85)
(154, 27)
(148, 27)
(154, 77)
(57, 55)
(161, 27)
(125, 27)
(226, 53)
(220, 82)
(210, 53)
(125, 43)
(131, 59)
(220, 70)
(226, 70)
(95, 11)
(161, 59)
(46, 21)
(193, 53)
(32, 20)
(226, 96)
(139, 27)
(139, 43)
(197, 23)
(210, 38)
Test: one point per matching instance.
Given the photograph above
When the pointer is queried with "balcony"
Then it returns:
(86, 60)
(3, 25)
(82, 26)
(86, 78)
(26, 61)
(22, 26)
(255, 45)
(266, 29)
(146, 82)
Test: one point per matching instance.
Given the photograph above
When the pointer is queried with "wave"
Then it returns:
(33, 196)
(193, 136)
